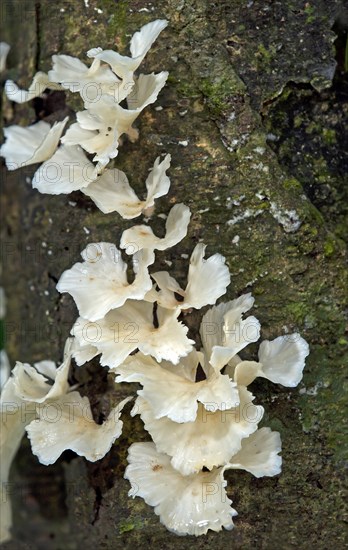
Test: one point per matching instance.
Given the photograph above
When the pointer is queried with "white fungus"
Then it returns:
(193, 402)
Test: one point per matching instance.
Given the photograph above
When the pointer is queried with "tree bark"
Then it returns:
(253, 116)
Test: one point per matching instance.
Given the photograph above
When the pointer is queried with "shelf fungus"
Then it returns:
(39, 84)
(4, 50)
(194, 403)
(111, 192)
(193, 396)
(103, 275)
(30, 145)
(142, 236)
(207, 280)
(103, 86)
(172, 390)
(27, 389)
(132, 327)
(67, 423)
(192, 504)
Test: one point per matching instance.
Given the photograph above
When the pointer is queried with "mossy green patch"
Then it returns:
(217, 94)
(264, 54)
(127, 525)
(185, 89)
(117, 19)
(329, 135)
(292, 183)
(329, 246)
(310, 12)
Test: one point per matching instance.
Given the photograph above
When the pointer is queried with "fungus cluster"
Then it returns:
(194, 398)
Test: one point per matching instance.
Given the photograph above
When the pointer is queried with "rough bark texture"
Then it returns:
(254, 92)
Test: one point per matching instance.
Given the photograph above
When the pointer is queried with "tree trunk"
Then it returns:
(253, 116)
